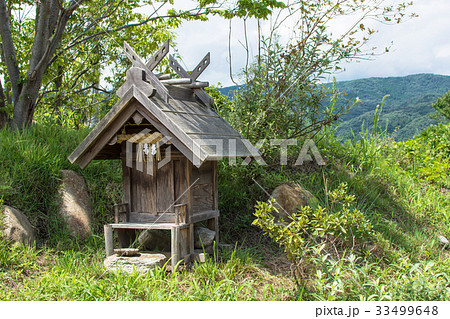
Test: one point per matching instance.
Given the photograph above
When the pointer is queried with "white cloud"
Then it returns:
(421, 45)
(442, 51)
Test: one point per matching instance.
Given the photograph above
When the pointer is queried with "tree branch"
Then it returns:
(42, 33)
(129, 26)
(109, 12)
(53, 42)
(41, 49)
(92, 86)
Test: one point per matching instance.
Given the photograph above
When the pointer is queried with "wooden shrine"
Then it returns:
(169, 139)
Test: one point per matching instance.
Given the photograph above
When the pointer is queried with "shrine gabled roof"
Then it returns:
(194, 129)
(178, 108)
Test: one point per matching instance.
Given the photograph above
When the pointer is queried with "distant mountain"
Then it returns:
(228, 91)
(406, 110)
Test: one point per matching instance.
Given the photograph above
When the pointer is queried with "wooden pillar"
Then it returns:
(127, 163)
(121, 213)
(175, 247)
(180, 214)
(109, 245)
(214, 223)
(191, 239)
(215, 186)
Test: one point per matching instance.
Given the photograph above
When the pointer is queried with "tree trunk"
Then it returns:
(8, 50)
(25, 106)
(50, 23)
(4, 118)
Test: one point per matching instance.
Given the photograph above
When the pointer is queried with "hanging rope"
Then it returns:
(147, 144)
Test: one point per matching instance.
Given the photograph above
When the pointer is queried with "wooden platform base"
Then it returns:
(182, 237)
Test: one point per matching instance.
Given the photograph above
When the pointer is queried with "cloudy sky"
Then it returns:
(421, 45)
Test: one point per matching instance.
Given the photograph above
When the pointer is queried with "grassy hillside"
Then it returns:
(402, 190)
(405, 111)
(29, 176)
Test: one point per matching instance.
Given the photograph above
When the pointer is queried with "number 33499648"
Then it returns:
(406, 310)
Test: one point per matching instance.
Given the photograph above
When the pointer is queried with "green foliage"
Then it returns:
(220, 100)
(282, 98)
(367, 149)
(90, 47)
(310, 230)
(398, 258)
(71, 88)
(427, 156)
(406, 112)
(256, 9)
(17, 256)
(394, 216)
(238, 194)
(353, 278)
(80, 77)
(77, 273)
(442, 105)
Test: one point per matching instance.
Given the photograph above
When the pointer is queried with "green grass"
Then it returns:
(408, 206)
(77, 273)
(30, 163)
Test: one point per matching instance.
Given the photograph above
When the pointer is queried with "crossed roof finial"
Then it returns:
(157, 82)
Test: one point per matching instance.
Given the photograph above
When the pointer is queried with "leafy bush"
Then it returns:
(427, 156)
(355, 278)
(442, 105)
(312, 231)
(283, 97)
(238, 194)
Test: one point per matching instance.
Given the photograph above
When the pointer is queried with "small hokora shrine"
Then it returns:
(169, 138)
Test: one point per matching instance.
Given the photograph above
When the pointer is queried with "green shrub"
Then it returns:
(238, 194)
(442, 105)
(312, 231)
(427, 156)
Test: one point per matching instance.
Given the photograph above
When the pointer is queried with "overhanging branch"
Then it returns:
(130, 25)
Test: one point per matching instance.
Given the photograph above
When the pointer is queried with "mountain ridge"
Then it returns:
(406, 110)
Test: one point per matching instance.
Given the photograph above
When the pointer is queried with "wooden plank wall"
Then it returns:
(149, 196)
(143, 190)
(203, 189)
(181, 180)
(165, 196)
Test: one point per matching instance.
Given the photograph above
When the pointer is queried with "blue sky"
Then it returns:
(421, 45)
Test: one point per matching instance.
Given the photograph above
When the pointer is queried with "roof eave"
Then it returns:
(80, 152)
